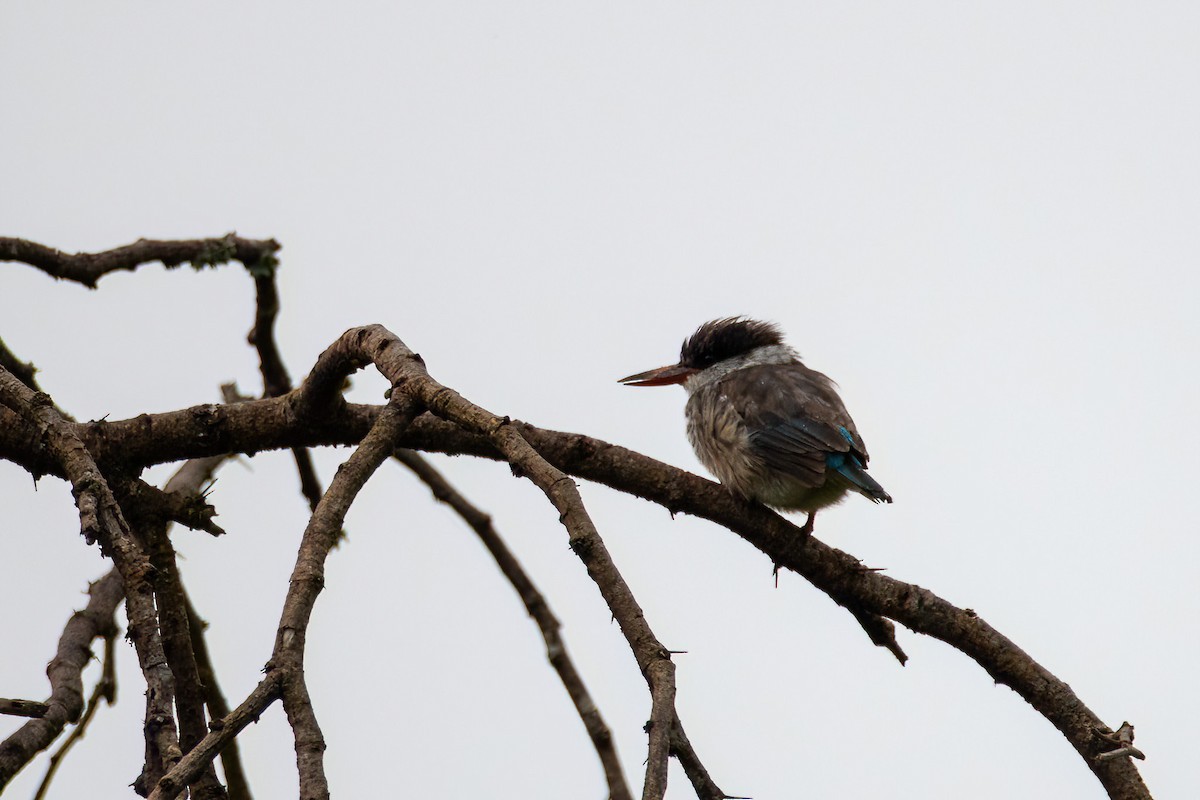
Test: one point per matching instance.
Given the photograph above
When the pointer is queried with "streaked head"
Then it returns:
(713, 342)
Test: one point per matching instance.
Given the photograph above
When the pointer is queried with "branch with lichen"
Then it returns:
(258, 255)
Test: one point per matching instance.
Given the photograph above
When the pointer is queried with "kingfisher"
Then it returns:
(767, 426)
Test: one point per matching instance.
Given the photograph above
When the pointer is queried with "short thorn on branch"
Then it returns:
(1122, 740)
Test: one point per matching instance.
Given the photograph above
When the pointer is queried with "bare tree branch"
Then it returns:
(151, 505)
(276, 380)
(188, 480)
(89, 268)
(23, 708)
(237, 786)
(222, 740)
(106, 690)
(406, 371)
(101, 519)
(222, 732)
(177, 647)
(308, 578)
(65, 672)
(702, 782)
(264, 424)
(539, 610)
(151, 509)
(45, 440)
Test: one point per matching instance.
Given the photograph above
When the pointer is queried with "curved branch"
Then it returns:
(308, 579)
(106, 690)
(285, 670)
(101, 519)
(89, 268)
(407, 374)
(276, 423)
(65, 672)
(98, 620)
(276, 380)
(539, 610)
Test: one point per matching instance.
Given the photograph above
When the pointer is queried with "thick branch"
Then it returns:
(848, 583)
(271, 424)
(268, 424)
(101, 519)
(188, 480)
(177, 646)
(88, 268)
(196, 679)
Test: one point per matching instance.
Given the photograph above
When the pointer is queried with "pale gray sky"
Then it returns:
(980, 219)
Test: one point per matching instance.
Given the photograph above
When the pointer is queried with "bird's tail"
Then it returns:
(849, 468)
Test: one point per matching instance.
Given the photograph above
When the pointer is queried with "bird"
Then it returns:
(770, 428)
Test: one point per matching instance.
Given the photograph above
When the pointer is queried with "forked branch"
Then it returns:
(97, 458)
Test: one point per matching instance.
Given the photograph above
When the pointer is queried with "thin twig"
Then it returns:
(23, 708)
(539, 610)
(106, 690)
(1122, 740)
(149, 504)
(236, 783)
(703, 784)
(65, 673)
(276, 380)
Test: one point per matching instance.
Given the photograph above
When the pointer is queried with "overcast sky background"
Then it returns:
(980, 219)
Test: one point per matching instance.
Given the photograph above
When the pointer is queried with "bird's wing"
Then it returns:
(794, 419)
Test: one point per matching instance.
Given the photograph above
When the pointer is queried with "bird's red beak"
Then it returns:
(663, 376)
